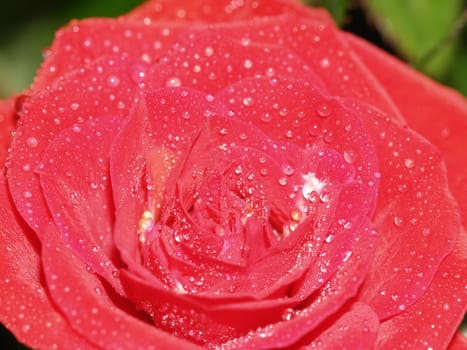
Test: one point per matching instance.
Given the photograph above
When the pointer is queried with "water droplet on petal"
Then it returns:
(288, 314)
(296, 215)
(32, 142)
(325, 63)
(245, 41)
(208, 51)
(347, 256)
(323, 110)
(138, 73)
(350, 156)
(287, 169)
(408, 162)
(174, 82)
(398, 221)
(247, 64)
(113, 81)
(247, 101)
(270, 72)
(314, 130)
(266, 117)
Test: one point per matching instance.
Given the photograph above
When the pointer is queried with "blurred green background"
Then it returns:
(430, 35)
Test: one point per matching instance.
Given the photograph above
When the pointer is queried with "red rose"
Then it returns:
(233, 175)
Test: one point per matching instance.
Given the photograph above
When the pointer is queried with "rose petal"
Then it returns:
(82, 42)
(459, 342)
(140, 136)
(433, 320)
(355, 329)
(7, 122)
(325, 52)
(24, 301)
(297, 324)
(416, 216)
(107, 87)
(91, 312)
(208, 61)
(437, 112)
(212, 11)
(74, 176)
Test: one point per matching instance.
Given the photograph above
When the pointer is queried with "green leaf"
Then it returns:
(424, 32)
(26, 33)
(458, 76)
(337, 8)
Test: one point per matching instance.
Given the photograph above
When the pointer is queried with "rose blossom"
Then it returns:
(234, 175)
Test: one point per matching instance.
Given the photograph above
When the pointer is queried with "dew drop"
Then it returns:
(245, 41)
(350, 156)
(266, 117)
(323, 110)
(408, 162)
(287, 169)
(288, 314)
(32, 142)
(247, 64)
(296, 215)
(26, 167)
(426, 232)
(314, 130)
(208, 51)
(325, 63)
(324, 197)
(270, 72)
(74, 106)
(247, 101)
(347, 256)
(173, 82)
(138, 73)
(402, 187)
(328, 137)
(398, 221)
(283, 181)
(113, 81)
(329, 238)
